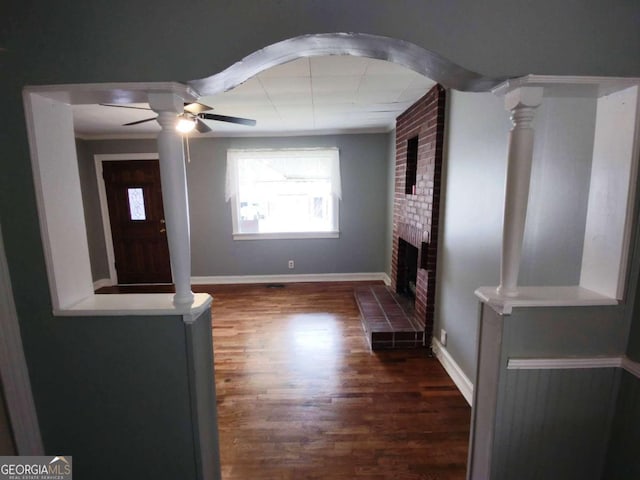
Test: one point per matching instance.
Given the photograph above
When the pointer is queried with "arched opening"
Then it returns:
(76, 282)
(409, 55)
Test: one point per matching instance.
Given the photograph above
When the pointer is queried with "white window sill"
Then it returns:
(284, 235)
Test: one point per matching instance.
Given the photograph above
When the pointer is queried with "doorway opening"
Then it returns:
(133, 218)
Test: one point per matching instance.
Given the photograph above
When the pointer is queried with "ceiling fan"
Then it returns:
(191, 118)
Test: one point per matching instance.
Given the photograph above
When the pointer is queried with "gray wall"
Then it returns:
(363, 243)
(124, 388)
(7, 446)
(553, 424)
(75, 42)
(623, 459)
(633, 346)
(471, 236)
(361, 246)
(548, 423)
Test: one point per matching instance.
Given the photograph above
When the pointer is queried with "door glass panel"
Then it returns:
(136, 204)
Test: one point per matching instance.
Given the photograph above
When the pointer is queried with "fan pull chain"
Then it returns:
(186, 140)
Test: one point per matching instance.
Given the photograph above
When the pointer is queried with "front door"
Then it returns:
(134, 198)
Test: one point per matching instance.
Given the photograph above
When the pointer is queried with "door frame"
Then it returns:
(104, 208)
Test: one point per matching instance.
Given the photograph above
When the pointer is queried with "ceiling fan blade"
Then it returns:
(226, 118)
(196, 108)
(123, 106)
(202, 127)
(139, 121)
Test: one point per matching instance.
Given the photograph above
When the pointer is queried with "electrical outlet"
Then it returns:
(292, 264)
(443, 337)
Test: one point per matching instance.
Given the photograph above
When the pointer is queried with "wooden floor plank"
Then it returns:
(301, 396)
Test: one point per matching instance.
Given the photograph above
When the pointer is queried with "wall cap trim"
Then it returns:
(557, 296)
(135, 304)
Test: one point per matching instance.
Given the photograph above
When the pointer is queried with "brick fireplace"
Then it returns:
(419, 143)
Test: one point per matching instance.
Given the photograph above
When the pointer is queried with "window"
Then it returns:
(286, 193)
(136, 204)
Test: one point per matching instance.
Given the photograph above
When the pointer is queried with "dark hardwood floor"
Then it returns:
(301, 396)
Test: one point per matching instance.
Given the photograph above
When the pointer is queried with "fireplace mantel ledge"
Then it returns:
(558, 296)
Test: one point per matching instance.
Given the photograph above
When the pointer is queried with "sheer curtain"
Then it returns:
(265, 164)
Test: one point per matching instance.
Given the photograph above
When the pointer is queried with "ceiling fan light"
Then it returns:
(185, 125)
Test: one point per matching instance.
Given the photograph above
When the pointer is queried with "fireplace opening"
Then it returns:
(407, 270)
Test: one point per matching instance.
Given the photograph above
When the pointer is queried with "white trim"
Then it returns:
(572, 363)
(558, 296)
(453, 370)
(331, 155)
(568, 85)
(136, 304)
(284, 235)
(114, 92)
(630, 366)
(310, 277)
(563, 363)
(104, 208)
(14, 372)
(123, 136)
(386, 279)
(103, 282)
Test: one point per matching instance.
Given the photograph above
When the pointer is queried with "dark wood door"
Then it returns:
(134, 197)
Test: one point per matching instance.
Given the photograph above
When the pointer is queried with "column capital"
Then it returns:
(166, 102)
(529, 97)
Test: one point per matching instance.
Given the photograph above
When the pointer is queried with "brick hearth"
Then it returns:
(387, 319)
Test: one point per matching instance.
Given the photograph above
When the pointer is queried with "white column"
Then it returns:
(522, 102)
(174, 193)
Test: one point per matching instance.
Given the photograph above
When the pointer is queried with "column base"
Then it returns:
(183, 299)
(511, 292)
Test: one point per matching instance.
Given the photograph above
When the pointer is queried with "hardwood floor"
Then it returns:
(301, 396)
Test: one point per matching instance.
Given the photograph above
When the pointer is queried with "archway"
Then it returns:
(409, 55)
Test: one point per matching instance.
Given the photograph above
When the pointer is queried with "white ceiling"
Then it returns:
(316, 95)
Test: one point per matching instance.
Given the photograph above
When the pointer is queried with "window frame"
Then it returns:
(234, 201)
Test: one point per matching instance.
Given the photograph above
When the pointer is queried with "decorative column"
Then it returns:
(174, 193)
(522, 102)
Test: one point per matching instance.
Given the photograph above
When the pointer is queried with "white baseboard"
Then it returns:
(103, 282)
(311, 277)
(386, 279)
(453, 370)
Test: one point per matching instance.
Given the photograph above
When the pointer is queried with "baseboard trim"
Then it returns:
(386, 279)
(103, 282)
(453, 370)
(295, 278)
